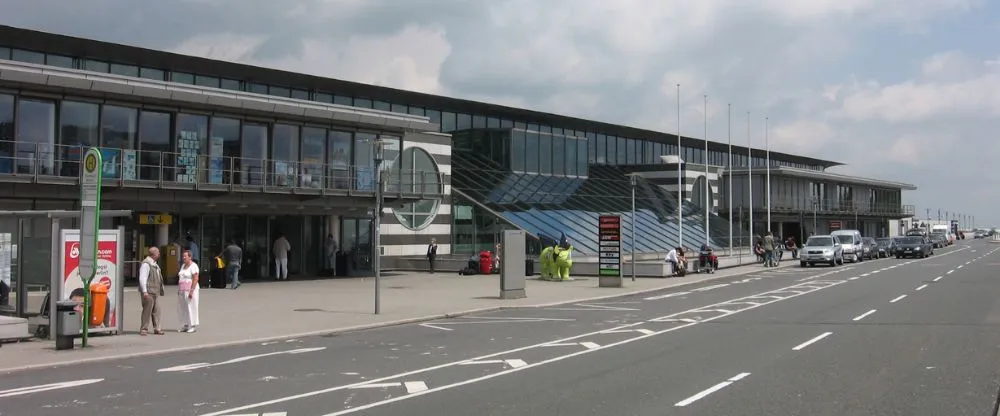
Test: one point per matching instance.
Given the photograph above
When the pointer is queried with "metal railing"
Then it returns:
(832, 206)
(60, 164)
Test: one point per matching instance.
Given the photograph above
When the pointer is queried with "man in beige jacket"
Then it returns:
(151, 289)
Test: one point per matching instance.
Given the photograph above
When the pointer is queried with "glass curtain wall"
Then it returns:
(6, 133)
(313, 156)
(339, 157)
(254, 152)
(119, 127)
(364, 161)
(192, 143)
(36, 136)
(285, 154)
(225, 138)
(78, 130)
(154, 145)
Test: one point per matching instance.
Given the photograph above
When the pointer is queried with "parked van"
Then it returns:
(945, 231)
(850, 240)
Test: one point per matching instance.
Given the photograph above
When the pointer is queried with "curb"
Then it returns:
(356, 328)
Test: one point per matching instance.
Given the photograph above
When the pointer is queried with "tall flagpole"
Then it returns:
(708, 188)
(680, 176)
(729, 169)
(767, 152)
(750, 178)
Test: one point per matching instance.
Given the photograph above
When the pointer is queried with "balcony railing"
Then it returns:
(832, 206)
(60, 164)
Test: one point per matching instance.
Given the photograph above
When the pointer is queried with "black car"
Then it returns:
(912, 246)
(939, 240)
(870, 247)
(884, 247)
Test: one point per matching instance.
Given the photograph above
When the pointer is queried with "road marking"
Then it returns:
(854, 278)
(414, 386)
(622, 331)
(866, 275)
(812, 341)
(437, 327)
(511, 318)
(590, 345)
(938, 278)
(264, 414)
(950, 272)
(592, 307)
(520, 349)
(960, 266)
(668, 295)
(864, 315)
(702, 289)
(512, 363)
(711, 390)
(921, 287)
(189, 367)
(899, 298)
(46, 387)
(376, 386)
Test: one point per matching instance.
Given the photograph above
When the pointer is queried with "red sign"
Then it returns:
(835, 225)
(106, 270)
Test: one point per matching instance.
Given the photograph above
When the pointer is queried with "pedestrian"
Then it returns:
(233, 256)
(194, 249)
(432, 252)
(187, 294)
(331, 255)
(280, 250)
(150, 290)
(768, 250)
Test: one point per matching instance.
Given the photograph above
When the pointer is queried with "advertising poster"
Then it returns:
(107, 273)
(129, 162)
(216, 162)
(112, 161)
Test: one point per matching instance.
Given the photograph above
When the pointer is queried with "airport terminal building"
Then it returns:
(219, 150)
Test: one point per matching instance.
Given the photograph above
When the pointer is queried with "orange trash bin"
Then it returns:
(98, 303)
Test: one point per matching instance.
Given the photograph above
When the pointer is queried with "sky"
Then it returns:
(904, 90)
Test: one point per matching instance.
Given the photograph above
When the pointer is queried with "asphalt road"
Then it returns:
(886, 337)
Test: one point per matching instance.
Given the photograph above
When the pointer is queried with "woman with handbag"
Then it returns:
(187, 294)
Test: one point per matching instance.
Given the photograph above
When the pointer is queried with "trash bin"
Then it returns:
(218, 278)
(98, 303)
(485, 262)
(529, 267)
(68, 324)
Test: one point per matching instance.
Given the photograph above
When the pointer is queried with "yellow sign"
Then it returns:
(156, 219)
(90, 163)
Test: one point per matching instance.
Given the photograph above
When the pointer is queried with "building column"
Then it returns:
(333, 227)
(162, 235)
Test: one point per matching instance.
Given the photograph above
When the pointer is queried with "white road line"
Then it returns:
(899, 298)
(711, 390)
(189, 367)
(921, 287)
(710, 287)
(938, 278)
(864, 315)
(866, 275)
(512, 363)
(622, 331)
(375, 386)
(46, 387)
(437, 327)
(590, 345)
(854, 278)
(668, 295)
(415, 386)
(960, 266)
(512, 351)
(812, 341)
(950, 272)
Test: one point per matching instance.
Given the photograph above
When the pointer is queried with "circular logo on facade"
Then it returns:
(90, 163)
(74, 250)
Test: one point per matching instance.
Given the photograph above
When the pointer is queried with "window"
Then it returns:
(448, 122)
(96, 66)
(285, 153)
(342, 100)
(300, 94)
(60, 61)
(612, 150)
(435, 117)
(225, 131)
(478, 122)
(30, 57)
(601, 149)
(648, 152)
(364, 162)
(517, 156)
(362, 103)
(206, 81)
(582, 158)
(253, 151)
(493, 123)
(390, 162)
(323, 97)
(279, 91)
(119, 127)
(6, 133)
(36, 136)
(592, 150)
(181, 77)
(338, 157)
(421, 174)
(531, 152)
(313, 156)
(417, 111)
(559, 161)
(150, 73)
(4, 53)
(622, 154)
(571, 154)
(506, 124)
(192, 143)
(464, 122)
(258, 88)
(125, 70)
(381, 106)
(399, 108)
(78, 128)
(545, 154)
(154, 138)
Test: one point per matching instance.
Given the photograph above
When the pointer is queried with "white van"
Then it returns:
(944, 230)
(850, 240)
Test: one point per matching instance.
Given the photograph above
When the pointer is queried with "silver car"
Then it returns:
(824, 249)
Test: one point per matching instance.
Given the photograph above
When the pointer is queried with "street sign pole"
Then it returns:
(90, 214)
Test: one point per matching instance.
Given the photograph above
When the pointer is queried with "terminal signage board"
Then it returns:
(609, 239)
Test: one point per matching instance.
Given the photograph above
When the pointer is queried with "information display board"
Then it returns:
(610, 257)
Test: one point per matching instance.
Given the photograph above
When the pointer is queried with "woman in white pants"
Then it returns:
(187, 294)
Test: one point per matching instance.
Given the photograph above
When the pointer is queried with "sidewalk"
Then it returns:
(259, 312)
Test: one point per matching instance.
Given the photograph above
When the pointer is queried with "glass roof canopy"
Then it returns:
(550, 206)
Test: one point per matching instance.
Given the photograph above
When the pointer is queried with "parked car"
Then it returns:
(895, 243)
(884, 247)
(851, 242)
(913, 246)
(821, 249)
(939, 240)
(869, 248)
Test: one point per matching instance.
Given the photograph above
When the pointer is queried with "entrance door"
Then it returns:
(355, 237)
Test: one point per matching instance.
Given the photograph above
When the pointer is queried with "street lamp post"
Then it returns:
(815, 202)
(377, 221)
(632, 180)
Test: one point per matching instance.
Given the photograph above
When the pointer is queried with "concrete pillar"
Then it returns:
(333, 227)
(162, 235)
